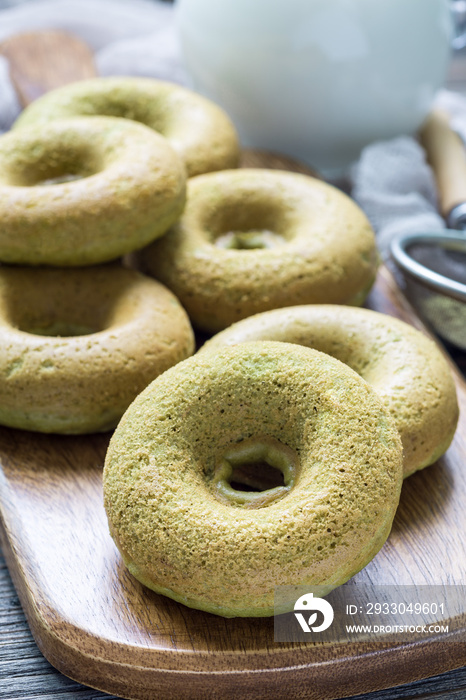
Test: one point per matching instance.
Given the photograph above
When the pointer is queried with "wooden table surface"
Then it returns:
(25, 673)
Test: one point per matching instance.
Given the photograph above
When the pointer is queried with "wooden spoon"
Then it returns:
(42, 61)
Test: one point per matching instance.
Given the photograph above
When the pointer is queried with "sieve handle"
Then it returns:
(447, 156)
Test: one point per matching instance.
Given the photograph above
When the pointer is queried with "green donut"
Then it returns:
(84, 191)
(406, 369)
(252, 240)
(196, 128)
(183, 527)
(78, 345)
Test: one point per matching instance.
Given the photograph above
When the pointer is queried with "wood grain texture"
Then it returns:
(98, 625)
(42, 61)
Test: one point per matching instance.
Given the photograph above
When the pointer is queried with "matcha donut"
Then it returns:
(252, 240)
(175, 511)
(197, 129)
(78, 345)
(405, 368)
(85, 191)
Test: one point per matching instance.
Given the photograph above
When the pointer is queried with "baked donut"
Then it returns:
(406, 369)
(181, 523)
(85, 191)
(251, 240)
(77, 345)
(198, 130)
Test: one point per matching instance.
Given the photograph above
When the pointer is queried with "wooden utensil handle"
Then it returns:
(43, 60)
(447, 156)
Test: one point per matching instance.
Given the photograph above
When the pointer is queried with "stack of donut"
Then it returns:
(275, 455)
(81, 335)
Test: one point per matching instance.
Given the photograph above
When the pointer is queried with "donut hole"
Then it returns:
(56, 323)
(124, 105)
(47, 302)
(256, 472)
(61, 179)
(248, 240)
(256, 476)
(44, 165)
(59, 329)
(248, 225)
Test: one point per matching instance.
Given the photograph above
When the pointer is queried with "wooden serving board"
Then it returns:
(98, 625)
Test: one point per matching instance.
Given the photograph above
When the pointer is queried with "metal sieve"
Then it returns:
(434, 263)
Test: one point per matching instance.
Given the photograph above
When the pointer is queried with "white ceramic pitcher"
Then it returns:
(318, 79)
